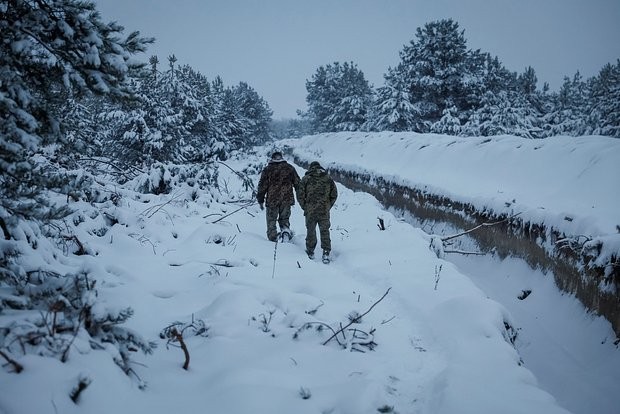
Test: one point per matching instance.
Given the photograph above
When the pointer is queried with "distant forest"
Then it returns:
(442, 86)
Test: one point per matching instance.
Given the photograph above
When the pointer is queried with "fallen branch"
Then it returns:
(151, 211)
(5, 229)
(321, 325)
(221, 263)
(356, 320)
(454, 236)
(464, 252)
(16, 365)
(119, 171)
(231, 213)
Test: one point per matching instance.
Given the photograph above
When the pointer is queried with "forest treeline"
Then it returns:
(442, 86)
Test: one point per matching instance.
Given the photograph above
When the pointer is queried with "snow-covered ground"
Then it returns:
(547, 181)
(441, 343)
(567, 183)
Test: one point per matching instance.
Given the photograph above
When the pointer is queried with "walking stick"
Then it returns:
(275, 253)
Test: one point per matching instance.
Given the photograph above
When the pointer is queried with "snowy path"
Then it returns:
(442, 350)
(439, 340)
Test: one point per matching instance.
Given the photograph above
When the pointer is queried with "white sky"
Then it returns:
(276, 45)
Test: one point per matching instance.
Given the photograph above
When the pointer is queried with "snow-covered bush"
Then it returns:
(163, 178)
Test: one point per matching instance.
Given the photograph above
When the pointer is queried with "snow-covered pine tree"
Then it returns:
(50, 48)
(504, 113)
(567, 116)
(604, 103)
(436, 68)
(169, 122)
(255, 115)
(320, 99)
(355, 95)
(531, 101)
(53, 54)
(339, 98)
(226, 125)
(392, 109)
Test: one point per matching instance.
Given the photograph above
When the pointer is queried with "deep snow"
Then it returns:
(441, 342)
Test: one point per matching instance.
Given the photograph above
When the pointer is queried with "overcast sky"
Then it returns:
(276, 45)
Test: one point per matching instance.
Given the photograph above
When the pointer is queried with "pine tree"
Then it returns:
(504, 113)
(339, 98)
(527, 81)
(50, 48)
(436, 68)
(255, 115)
(567, 116)
(55, 57)
(392, 109)
(604, 113)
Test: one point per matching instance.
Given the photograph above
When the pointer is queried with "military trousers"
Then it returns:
(323, 222)
(280, 214)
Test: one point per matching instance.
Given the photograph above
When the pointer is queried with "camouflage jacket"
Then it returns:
(276, 183)
(317, 192)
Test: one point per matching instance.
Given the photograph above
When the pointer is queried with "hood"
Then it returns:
(316, 169)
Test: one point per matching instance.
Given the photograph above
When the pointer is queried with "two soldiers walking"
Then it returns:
(316, 194)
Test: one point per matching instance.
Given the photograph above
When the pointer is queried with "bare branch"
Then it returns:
(246, 180)
(18, 367)
(150, 212)
(454, 236)
(321, 324)
(179, 337)
(356, 319)
(230, 214)
(464, 252)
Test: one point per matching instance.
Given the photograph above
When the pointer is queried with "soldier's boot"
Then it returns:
(325, 257)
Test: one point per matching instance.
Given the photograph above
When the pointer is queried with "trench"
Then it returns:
(510, 237)
(559, 347)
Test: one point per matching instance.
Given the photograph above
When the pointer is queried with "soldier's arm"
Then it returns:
(262, 187)
(296, 180)
(333, 193)
(301, 194)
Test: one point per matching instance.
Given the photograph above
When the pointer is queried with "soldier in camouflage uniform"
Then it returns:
(275, 190)
(316, 195)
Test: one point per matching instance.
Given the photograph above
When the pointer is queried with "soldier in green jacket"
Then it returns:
(317, 194)
(275, 190)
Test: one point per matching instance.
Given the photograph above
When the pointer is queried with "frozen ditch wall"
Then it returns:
(583, 261)
(512, 237)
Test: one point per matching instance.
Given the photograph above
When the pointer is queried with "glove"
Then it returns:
(262, 207)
